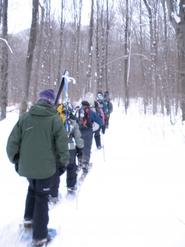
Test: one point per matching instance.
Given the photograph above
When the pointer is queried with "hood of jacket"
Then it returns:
(42, 108)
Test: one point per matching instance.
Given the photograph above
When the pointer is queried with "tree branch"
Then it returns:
(6, 42)
(172, 13)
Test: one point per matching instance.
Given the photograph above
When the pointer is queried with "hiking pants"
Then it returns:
(71, 170)
(71, 176)
(97, 138)
(36, 207)
(87, 136)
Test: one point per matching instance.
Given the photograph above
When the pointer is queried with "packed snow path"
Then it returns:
(133, 196)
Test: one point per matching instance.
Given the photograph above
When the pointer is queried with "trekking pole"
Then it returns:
(103, 148)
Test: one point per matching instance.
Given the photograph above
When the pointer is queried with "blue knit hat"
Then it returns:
(48, 95)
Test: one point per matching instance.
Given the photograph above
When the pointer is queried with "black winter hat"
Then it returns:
(85, 103)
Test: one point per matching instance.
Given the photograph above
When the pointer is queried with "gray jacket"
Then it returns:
(74, 135)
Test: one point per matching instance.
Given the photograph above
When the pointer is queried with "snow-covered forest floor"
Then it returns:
(133, 196)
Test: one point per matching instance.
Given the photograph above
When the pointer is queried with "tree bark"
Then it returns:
(30, 53)
(126, 53)
(4, 62)
(153, 51)
(38, 55)
(60, 52)
(179, 27)
(90, 49)
(107, 44)
(97, 47)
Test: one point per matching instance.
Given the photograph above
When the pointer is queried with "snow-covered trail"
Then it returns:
(137, 195)
(133, 196)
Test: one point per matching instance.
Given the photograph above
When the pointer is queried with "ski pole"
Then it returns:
(103, 148)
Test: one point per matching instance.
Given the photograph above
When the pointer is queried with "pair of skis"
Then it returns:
(64, 86)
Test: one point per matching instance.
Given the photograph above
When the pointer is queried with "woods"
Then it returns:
(133, 48)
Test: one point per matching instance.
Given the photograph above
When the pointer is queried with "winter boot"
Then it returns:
(71, 190)
(43, 242)
(27, 223)
(39, 243)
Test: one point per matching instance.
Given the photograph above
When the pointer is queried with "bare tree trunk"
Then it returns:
(153, 51)
(1, 10)
(180, 31)
(107, 45)
(77, 9)
(78, 40)
(126, 60)
(97, 47)
(90, 49)
(166, 70)
(60, 53)
(154, 59)
(38, 56)
(102, 51)
(29, 57)
(74, 38)
(141, 49)
(48, 42)
(180, 35)
(4, 62)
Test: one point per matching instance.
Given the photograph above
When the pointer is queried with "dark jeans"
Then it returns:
(107, 121)
(71, 170)
(87, 135)
(56, 182)
(36, 207)
(71, 177)
(97, 138)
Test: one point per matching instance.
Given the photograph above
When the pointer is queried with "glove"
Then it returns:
(61, 170)
(16, 167)
(16, 162)
(79, 152)
(103, 129)
(60, 167)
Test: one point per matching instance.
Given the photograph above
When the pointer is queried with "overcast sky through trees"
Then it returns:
(20, 13)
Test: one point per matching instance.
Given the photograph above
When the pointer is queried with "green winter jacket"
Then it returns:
(37, 140)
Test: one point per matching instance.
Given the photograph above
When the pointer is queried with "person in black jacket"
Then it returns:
(97, 131)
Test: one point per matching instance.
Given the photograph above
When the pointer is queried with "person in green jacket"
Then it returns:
(36, 143)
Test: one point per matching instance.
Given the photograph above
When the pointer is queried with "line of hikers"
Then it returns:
(48, 141)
